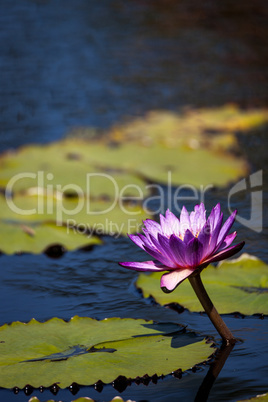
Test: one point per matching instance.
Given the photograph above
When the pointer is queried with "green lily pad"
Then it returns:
(37, 238)
(231, 118)
(192, 128)
(33, 223)
(101, 185)
(85, 350)
(66, 167)
(101, 217)
(57, 183)
(187, 166)
(149, 147)
(239, 285)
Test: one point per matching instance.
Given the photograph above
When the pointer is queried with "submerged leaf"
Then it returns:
(239, 285)
(66, 352)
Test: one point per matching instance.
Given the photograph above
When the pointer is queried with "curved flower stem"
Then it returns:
(211, 311)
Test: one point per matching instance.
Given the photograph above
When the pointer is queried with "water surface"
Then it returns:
(68, 64)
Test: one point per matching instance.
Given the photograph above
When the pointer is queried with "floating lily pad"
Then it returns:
(37, 238)
(85, 350)
(187, 166)
(239, 285)
(32, 223)
(102, 217)
(230, 118)
(56, 183)
(100, 185)
(192, 128)
(66, 167)
(161, 141)
(148, 147)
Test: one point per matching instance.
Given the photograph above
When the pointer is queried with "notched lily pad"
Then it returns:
(85, 351)
(239, 285)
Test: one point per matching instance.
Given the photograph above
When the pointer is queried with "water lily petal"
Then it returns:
(194, 216)
(226, 253)
(211, 219)
(184, 220)
(138, 239)
(197, 218)
(173, 223)
(178, 248)
(181, 246)
(165, 248)
(202, 215)
(194, 252)
(171, 280)
(227, 241)
(153, 266)
(161, 245)
(160, 257)
(152, 227)
(201, 208)
(188, 236)
(148, 237)
(225, 228)
(217, 215)
(214, 217)
(166, 227)
(204, 236)
(214, 233)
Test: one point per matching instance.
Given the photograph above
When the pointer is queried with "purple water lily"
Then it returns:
(183, 246)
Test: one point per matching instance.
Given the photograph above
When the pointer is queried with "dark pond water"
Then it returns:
(86, 63)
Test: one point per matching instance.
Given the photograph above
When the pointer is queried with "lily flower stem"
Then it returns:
(217, 321)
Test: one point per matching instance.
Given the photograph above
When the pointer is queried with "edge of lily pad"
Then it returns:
(179, 308)
(121, 382)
